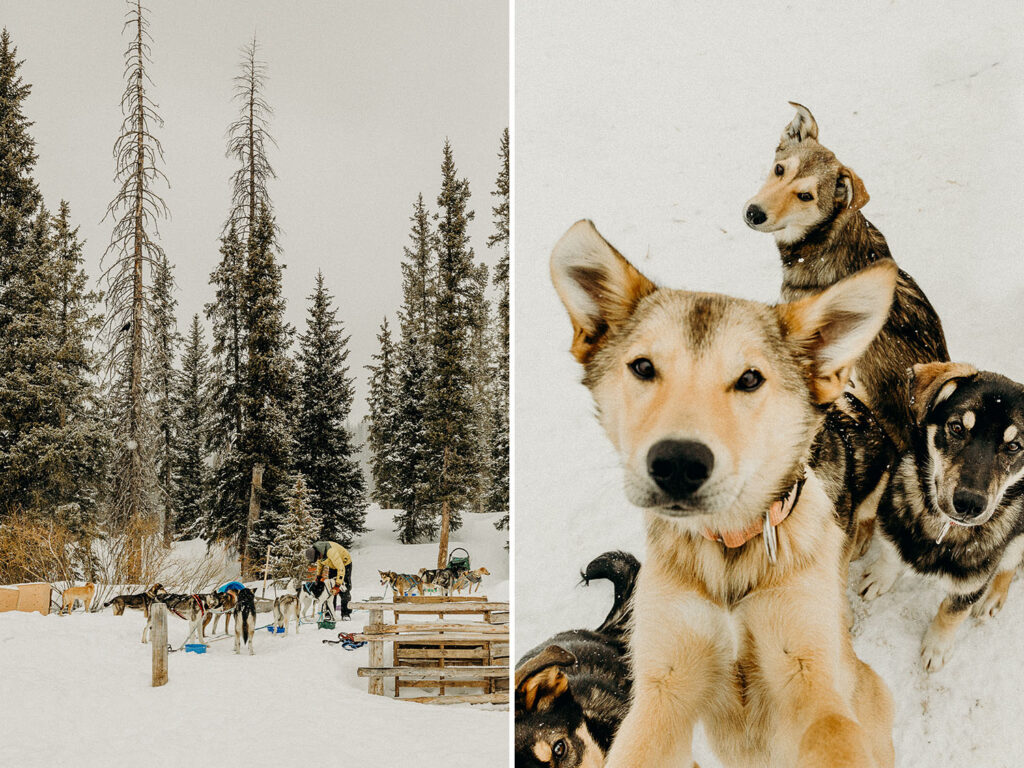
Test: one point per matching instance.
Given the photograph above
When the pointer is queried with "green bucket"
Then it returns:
(325, 624)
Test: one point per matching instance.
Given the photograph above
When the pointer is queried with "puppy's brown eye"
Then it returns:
(559, 748)
(805, 196)
(1013, 447)
(642, 368)
(750, 380)
(779, 170)
(956, 428)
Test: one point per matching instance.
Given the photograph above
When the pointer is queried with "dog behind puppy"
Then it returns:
(286, 607)
(572, 691)
(954, 510)
(812, 203)
(140, 601)
(718, 409)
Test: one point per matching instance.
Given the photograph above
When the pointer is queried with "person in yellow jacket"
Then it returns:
(334, 562)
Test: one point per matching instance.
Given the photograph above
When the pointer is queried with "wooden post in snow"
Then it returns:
(376, 684)
(266, 567)
(158, 638)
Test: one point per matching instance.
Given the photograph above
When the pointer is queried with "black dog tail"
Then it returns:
(621, 569)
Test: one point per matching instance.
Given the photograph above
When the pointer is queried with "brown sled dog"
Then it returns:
(85, 594)
(812, 203)
(714, 405)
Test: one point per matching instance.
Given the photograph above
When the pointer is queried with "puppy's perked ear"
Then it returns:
(850, 190)
(833, 328)
(802, 127)
(541, 680)
(598, 287)
(931, 383)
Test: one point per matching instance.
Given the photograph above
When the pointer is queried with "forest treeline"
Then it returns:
(124, 430)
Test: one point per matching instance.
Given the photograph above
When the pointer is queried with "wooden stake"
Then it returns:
(158, 638)
(266, 567)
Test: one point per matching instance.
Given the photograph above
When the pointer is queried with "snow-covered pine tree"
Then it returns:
(162, 386)
(324, 452)
(135, 210)
(194, 422)
(383, 421)
(498, 496)
(298, 529)
(228, 330)
(481, 356)
(449, 398)
(266, 442)
(413, 462)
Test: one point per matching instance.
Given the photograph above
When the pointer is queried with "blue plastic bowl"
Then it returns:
(195, 648)
(275, 630)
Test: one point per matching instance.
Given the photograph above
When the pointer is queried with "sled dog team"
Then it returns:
(447, 580)
(240, 603)
(766, 445)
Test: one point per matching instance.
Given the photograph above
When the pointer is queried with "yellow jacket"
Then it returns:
(337, 558)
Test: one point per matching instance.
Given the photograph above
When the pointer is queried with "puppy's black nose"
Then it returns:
(969, 504)
(679, 467)
(755, 215)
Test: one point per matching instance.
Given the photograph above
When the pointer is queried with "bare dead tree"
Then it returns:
(133, 254)
(248, 137)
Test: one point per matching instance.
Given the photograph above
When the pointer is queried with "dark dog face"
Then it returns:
(971, 435)
(551, 730)
(807, 186)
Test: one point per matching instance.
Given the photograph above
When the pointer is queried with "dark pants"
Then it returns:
(346, 595)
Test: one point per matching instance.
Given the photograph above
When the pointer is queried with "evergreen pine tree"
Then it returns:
(498, 496)
(298, 529)
(385, 462)
(324, 452)
(162, 385)
(449, 405)
(265, 444)
(194, 421)
(228, 329)
(480, 363)
(413, 463)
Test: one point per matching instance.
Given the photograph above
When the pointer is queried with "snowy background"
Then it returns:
(76, 690)
(659, 123)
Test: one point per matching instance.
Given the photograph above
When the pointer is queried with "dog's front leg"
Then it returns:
(937, 645)
(680, 664)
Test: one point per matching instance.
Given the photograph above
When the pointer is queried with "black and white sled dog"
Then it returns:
(572, 691)
(312, 596)
(286, 608)
(245, 619)
(954, 508)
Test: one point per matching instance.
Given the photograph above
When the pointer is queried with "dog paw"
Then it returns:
(988, 606)
(936, 650)
(876, 581)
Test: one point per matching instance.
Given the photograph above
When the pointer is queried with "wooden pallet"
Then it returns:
(442, 655)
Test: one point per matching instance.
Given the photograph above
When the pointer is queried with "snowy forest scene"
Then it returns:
(254, 297)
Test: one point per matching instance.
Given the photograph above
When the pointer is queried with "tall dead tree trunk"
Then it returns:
(135, 209)
(446, 517)
(255, 489)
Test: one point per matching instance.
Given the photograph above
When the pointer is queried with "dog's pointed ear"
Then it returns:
(834, 327)
(803, 126)
(541, 680)
(931, 383)
(850, 190)
(597, 285)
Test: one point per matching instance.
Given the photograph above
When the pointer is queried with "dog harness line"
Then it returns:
(773, 516)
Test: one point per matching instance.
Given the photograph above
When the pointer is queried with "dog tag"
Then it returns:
(945, 530)
(771, 542)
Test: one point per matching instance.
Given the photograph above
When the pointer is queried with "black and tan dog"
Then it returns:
(245, 619)
(954, 509)
(812, 203)
(714, 406)
(139, 602)
(573, 690)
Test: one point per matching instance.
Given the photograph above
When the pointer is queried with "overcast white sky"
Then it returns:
(364, 95)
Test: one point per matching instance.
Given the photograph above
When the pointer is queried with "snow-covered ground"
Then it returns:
(658, 121)
(76, 691)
